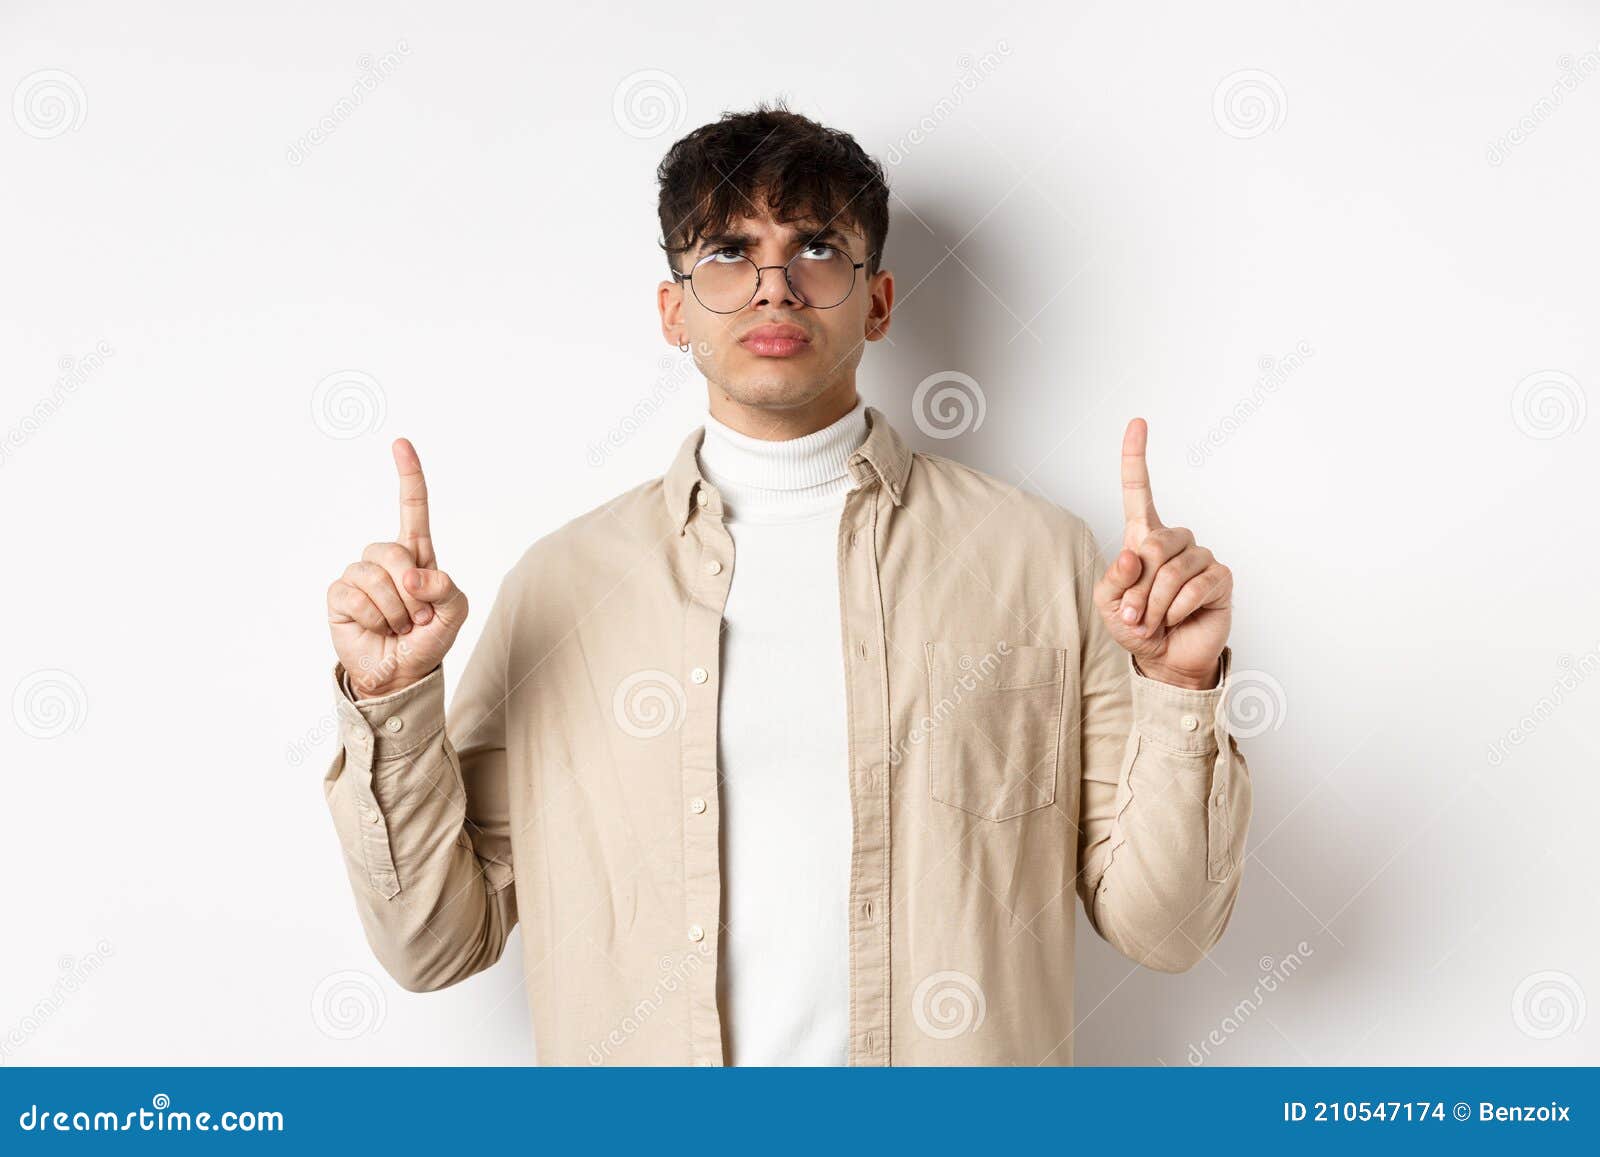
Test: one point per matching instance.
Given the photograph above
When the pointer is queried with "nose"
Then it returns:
(774, 287)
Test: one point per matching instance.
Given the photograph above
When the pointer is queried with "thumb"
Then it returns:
(440, 591)
(1120, 575)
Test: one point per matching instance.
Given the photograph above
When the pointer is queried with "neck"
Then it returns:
(766, 479)
(774, 425)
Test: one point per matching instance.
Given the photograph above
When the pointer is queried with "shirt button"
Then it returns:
(855, 537)
(699, 675)
(1189, 722)
(368, 814)
(696, 932)
(701, 498)
(703, 1062)
(713, 567)
(1219, 799)
(697, 805)
(394, 723)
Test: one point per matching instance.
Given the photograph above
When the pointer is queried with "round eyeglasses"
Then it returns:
(726, 281)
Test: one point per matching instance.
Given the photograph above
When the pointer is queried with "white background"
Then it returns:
(1083, 226)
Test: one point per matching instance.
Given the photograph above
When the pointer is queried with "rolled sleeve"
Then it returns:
(1195, 722)
(395, 725)
(373, 733)
(1178, 717)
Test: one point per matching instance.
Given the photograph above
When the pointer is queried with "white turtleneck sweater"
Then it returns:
(784, 984)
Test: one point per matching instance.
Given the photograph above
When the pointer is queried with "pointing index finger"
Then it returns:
(414, 532)
(1138, 505)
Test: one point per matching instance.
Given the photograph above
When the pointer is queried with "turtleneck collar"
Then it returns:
(794, 478)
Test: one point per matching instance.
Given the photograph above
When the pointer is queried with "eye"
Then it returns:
(724, 255)
(818, 252)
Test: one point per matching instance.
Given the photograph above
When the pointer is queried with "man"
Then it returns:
(800, 753)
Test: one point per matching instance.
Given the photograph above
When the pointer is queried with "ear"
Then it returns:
(880, 290)
(669, 303)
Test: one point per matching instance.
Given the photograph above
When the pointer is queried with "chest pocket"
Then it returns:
(994, 726)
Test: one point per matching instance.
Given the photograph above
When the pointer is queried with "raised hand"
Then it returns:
(393, 615)
(1166, 600)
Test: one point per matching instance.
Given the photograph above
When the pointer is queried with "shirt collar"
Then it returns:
(882, 456)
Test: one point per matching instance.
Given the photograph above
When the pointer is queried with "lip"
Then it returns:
(776, 341)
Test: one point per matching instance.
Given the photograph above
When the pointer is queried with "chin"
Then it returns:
(772, 386)
(773, 395)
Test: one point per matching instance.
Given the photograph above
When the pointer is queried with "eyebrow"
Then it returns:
(805, 235)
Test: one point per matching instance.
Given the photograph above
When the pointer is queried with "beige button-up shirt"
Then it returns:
(1005, 758)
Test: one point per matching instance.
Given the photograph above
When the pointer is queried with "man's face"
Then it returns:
(777, 352)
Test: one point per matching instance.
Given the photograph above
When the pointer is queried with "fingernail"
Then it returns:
(1130, 614)
(406, 630)
(421, 615)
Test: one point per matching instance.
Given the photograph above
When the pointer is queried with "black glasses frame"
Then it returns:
(787, 281)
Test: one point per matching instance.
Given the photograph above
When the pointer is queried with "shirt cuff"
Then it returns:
(393, 725)
(1177, 717)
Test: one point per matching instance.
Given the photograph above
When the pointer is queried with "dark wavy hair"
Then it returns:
(769, 159)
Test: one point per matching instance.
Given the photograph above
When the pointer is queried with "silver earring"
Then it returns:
(684, 346)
